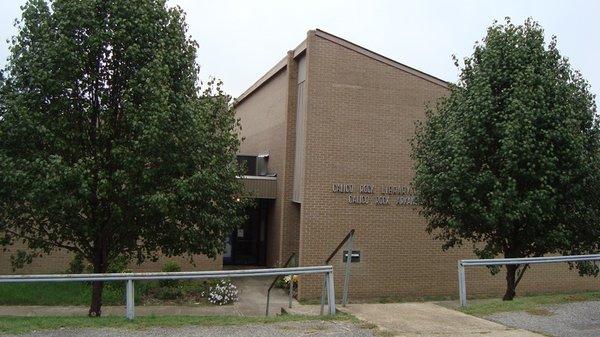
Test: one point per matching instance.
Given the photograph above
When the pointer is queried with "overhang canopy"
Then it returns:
(260, 187)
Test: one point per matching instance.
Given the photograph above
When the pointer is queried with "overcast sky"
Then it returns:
(240, 40)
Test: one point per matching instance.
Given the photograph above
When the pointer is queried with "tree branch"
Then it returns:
(49, 242)
(520, 274)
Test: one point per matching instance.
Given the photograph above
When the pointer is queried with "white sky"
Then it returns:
(240, 40)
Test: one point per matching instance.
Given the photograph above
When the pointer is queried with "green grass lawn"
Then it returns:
(16, 325)
(533, 304)
(80, 293)
(61, 293)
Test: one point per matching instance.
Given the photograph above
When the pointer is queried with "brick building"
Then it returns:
(334, 122)
(326, 147)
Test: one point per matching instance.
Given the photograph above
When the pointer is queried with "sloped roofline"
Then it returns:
(271, 73)
(344, 43)
(380, 58)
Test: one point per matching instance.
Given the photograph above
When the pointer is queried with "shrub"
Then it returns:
(170, 267)
(168, 293)
(118, 265)
(280, 283)
(77, 265)
(223, 292)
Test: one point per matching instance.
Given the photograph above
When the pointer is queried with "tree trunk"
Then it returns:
(100, 267)
(96, 306)
(511, 285)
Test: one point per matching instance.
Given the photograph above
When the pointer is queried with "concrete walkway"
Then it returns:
(428, 319)
(252, 302)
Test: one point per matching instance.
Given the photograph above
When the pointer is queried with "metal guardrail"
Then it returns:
(349, 241)
(287, 263)
(462, 286)
(131, 277)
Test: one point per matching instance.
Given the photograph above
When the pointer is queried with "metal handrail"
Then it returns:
(287, 263)
(530, 260)
(337, 249)
(184, 275)
(131, 277)
(349, 241)
(462, 283)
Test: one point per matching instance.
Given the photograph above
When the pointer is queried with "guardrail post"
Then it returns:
(347, 270)
(291, 291)
(330, 293)
(462, 286)
(130, 300)
(268, 302)
(323, 294)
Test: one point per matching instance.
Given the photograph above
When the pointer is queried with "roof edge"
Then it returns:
(380, 58)
(271, 73)
(264, 78)
(301, 48)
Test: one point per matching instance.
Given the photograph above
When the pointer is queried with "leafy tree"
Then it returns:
(108, 147)
(509, 160)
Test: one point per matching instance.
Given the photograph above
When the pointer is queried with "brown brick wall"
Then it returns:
(58, 262)
(55, 263)
(361, 115)
(263, 119)
(290, 216)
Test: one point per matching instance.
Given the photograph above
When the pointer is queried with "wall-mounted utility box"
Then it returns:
(355, 256)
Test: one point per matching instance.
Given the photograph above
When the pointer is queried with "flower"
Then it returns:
(223, 292)
(292, 278)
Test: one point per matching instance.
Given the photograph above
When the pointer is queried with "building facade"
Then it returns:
(326, 150)
(335, 121)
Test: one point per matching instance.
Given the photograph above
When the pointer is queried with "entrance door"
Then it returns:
(247, 244)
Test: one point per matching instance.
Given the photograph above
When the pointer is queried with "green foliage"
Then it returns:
(108, 146)
(281, 283)
(170, 267)
(509, 161)
(168, 293)
(118, 265)
(77, 265)
(183, 292)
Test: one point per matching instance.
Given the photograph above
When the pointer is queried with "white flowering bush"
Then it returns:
(221, 293)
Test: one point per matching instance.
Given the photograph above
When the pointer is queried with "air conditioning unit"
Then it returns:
(261, 164)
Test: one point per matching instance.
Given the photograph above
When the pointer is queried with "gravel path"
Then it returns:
(287, 329)
(578, 319)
